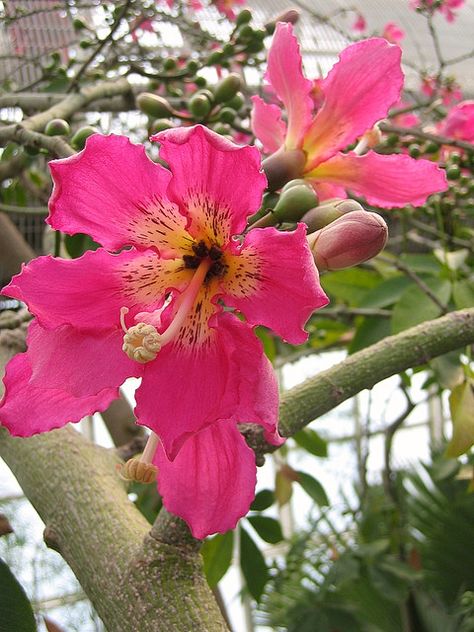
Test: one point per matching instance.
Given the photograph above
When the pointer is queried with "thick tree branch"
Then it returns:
(414, 347)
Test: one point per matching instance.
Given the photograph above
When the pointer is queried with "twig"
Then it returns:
(418, 133)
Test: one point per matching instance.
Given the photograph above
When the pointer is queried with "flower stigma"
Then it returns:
(142, 342)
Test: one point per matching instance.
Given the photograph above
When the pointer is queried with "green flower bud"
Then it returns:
(325, 214)
(153, 105)
(215, 58)
(227, 115)
(192, 66)
(169, 64)
(243, 17)
(227, 88)
(79, 24)
(78, 141)
(283, 166)
(294, 183)
(245, 34)
(85, 43)
(431, 147)
(453, 172)
(221, 128)
(199, 106)
(414, 151)
(236, 102)
(57, 127)
(295, 202)
(159, 125)
(228, 49)
(201, 82)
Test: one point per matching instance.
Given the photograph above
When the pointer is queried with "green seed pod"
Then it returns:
(227, 88)
(236, 102)
(159, 125)
(57, 127)
(227, 115)
(153, 105)
(295, 202)
(78, 141)
(199, 106)
(244, 17)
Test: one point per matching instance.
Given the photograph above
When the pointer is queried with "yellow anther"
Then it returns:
(142, 343)
(137, 470)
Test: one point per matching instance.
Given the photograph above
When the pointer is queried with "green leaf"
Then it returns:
(461, 404)
(463, 293)
(76, 245)
(351, 285)
(217, 554)
(268, 341)
(16, 613)
(454, 259)
(267, 528)
(312, 442)
(414, 306)
(448, 369)
(264, 499)
(386, 293)
(283, 488)
(252, 563)
(422, 263)
(313, 488)
(371, 330)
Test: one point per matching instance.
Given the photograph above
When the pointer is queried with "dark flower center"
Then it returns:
(201, 251)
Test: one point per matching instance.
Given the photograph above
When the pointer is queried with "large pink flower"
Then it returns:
(154, 310)
(358, 92)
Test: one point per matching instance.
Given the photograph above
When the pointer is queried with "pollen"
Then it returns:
(137, 470)
(142, 343)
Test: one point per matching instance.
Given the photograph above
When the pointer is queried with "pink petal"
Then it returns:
(88, 292)
(285, 73)
(27, 409)
(218, 182)
(460, 122)
(113, 192)
(386, 181)
(267, 124)
(192, 385)
(359, 91)
(82, 364)
(211, 483)
(273, 281)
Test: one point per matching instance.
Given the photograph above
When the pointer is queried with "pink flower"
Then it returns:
(226, 7)
(445, 7)
(460, 122)
(393, 33)
(358, 92)
(359, 24)
(447, 88)
(155, 310)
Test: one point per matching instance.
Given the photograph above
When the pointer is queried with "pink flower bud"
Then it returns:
(328, 212)
(352, 239)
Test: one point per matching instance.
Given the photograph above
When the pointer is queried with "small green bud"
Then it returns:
(295, 202)
(153, 105)
(201, 82)
(255, 46)
(236, 102)
(85, 43)
(227, 115)
(169, 64)
(199, 106)
(227, 88)
(215, 58)
(57, 127)
(431, 147)
(453, 172)
(174, 91)
(414, 151)
(294, 183)
(31, 150)
(392, 140)
(79, 24)
(244, 17)
(325, 214)
(245, 34)
(192, 66)
(455, 158)
(228, 49)
(222, 129)
(259, 34)
(78, 141)
(159, 125)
